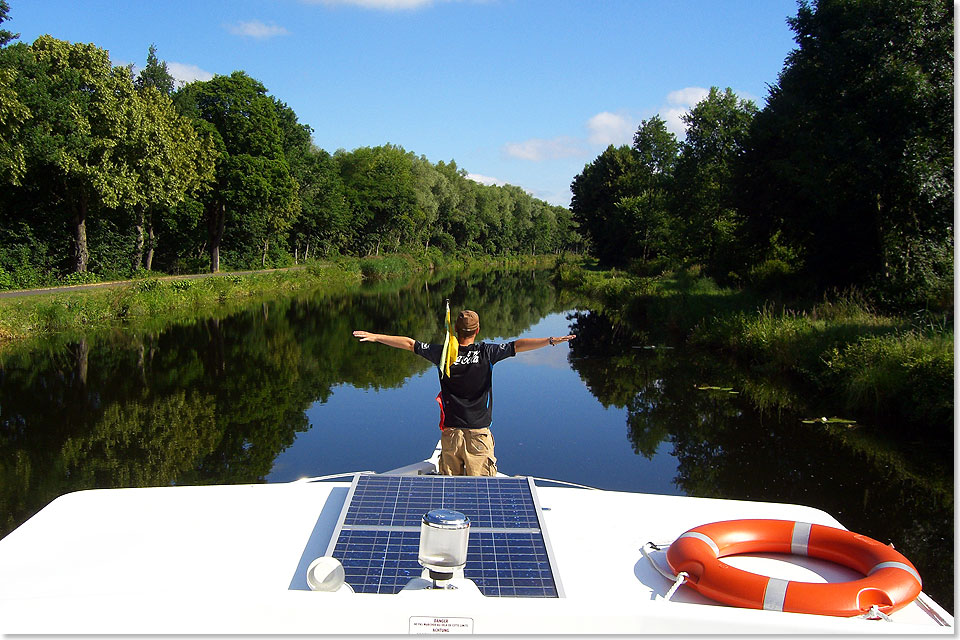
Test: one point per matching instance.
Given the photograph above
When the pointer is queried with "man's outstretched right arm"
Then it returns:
(399, 342)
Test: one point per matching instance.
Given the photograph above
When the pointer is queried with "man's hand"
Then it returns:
(365, 336)
(529, 344)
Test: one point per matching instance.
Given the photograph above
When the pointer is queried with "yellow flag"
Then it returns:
(450, 345)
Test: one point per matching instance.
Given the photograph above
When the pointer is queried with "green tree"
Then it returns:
(427, 192)
(6, 36)
(717, 130)
(656, 148)
(378, 186)
(515, 221)
(324, 223)
(597, 192)
(251, 169)
(622, 200)
(264, 199)
(170, 160)
(542, 233)
(851, 162)
(480, 216)
(657, 151)
(13, 115)
(447, 195)
(568, 236)
(155, 75)
(79, 109)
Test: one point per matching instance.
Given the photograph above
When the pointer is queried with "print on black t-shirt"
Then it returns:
(468, 393)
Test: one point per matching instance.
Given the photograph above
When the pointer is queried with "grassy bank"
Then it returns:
(895, 370)
(156, 301)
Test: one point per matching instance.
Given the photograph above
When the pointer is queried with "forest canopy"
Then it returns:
(109, 172)
(844, 178)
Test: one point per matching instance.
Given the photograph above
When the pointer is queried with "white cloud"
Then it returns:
(487, 180)
(679, 103)
(256, 29)
(603, 129)
(539, 149)
(388, 5)
(610, 128)
(560, 198)
(187, 73)
(689, 96)
(673, 117)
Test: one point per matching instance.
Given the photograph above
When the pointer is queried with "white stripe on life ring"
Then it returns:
(703, 538)
(774, 594)
(897, 565)
(800, 538)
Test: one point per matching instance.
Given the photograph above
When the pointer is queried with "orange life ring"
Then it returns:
(891, 581)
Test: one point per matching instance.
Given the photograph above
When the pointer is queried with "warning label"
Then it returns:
(428, 624)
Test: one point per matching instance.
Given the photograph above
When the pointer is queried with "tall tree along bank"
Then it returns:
(111, 173)
(844, 177)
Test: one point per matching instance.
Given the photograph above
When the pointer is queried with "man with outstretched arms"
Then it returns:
(466, 395)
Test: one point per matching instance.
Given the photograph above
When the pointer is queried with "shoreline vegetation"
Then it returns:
(896, 371)
(161, 300)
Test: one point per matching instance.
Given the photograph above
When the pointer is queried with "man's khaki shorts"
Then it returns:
(467, 452)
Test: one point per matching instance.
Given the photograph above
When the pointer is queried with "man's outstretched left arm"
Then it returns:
(529, 344)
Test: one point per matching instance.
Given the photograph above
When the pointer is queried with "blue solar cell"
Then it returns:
(402, 500)
(379, 533)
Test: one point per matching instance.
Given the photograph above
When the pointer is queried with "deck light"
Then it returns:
(326, 574)
(443, 542)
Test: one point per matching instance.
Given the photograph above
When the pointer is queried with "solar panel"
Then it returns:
(377, 537)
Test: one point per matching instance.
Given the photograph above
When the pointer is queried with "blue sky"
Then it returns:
(524, 92)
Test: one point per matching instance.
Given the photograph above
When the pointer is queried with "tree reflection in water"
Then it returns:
(753, 444)
(215, 400)
(219, 399)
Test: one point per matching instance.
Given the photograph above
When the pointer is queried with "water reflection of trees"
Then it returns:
(216, 400)
(753, 445)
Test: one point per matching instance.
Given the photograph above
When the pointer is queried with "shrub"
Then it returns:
(140, 273)
(907, 375)
(617, 286)
(86, 277)
(381, 268)
(445, 242)
(570, 275)
(770, 275)
(433, 257)
(143, 286)
(919, 275)
(55, 316)
(181, 285)
(191, 266)
(27, 276)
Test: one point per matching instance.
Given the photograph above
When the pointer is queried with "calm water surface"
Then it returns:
(546, 423)
(283, 391)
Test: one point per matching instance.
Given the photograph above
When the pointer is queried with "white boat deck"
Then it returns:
(232, 560)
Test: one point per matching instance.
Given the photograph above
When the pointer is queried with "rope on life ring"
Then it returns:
(890, 581)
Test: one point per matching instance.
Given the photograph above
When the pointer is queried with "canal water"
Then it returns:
(282, 391)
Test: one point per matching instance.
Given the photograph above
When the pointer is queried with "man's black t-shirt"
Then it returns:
(468, 393)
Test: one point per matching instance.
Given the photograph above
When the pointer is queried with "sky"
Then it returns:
(525, 92)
